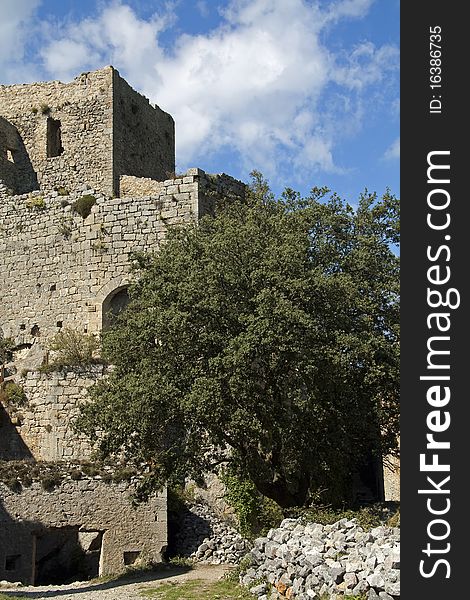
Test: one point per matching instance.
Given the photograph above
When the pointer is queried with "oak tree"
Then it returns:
(266, 336)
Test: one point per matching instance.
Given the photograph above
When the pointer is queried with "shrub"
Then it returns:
(6, 348)
(50, 481)
(13, 394)
(256, 514)
(65, 227)
(83, 205)
(99, 245)
(14, 485)
(45, 109)
(123, 474)
(73, 348)
(62, 191)
(36, 202)
(75, 474)
(90, 469)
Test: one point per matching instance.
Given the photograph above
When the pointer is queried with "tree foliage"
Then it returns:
(266, 335)
(6, 348)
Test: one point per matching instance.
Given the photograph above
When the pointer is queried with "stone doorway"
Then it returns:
(66, 554)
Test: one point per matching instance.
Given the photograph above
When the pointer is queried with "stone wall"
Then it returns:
(131, 186)
(58, 268)
(392, 479)
(90, 515)
(89, 131)
(84, 108)
(15, 168)
(45, 424)
(143, 136)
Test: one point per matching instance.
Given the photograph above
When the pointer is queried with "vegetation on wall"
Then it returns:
(6, 348)
(72, 348)
(270, 330)
(35, 202)
(19, 474)
(83, 205)
(255, 513)
(12, 394)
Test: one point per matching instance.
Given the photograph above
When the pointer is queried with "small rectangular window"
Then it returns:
(54, 138)
(12, 562)
(131, 557)
(10, 155)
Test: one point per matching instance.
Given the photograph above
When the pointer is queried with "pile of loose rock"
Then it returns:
(207, 538)
(305, 561)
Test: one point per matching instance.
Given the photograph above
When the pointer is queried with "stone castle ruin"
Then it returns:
(86, 178)
(90, 131)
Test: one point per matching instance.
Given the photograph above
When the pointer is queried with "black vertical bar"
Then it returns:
(435, 217)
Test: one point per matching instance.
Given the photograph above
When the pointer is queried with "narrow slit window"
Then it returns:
(54, 138)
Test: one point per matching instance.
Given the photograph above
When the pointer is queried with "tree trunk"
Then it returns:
(281, 493)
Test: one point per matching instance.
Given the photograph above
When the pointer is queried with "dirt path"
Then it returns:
(122, 589)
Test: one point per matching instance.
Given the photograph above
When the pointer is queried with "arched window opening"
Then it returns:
(114, 303)
(54, 138)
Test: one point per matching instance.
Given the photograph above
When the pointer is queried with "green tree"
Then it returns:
(268, 335)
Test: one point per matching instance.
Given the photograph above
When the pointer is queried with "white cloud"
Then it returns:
(203, 8)
(15, 25)
(348, 8)
(262, 84)
(366, 65)
(393, 151)
(116, 37)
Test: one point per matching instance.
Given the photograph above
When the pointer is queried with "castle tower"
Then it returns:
(91, 131)
(86, 179)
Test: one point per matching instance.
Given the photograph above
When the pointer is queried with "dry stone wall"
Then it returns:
(85, 512)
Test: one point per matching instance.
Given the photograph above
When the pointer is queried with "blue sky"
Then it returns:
(306, 92)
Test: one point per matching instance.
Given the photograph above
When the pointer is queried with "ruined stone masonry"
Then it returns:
(96, 138)
(90, 131)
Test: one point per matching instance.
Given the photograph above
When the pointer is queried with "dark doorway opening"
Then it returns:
(54, 138)
(369, 482)
(66, 554)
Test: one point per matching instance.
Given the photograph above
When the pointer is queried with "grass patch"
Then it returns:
(72, 348)
(197, 589)
(367, 517)
(181, 561)
(35, 202)
(5, 597)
